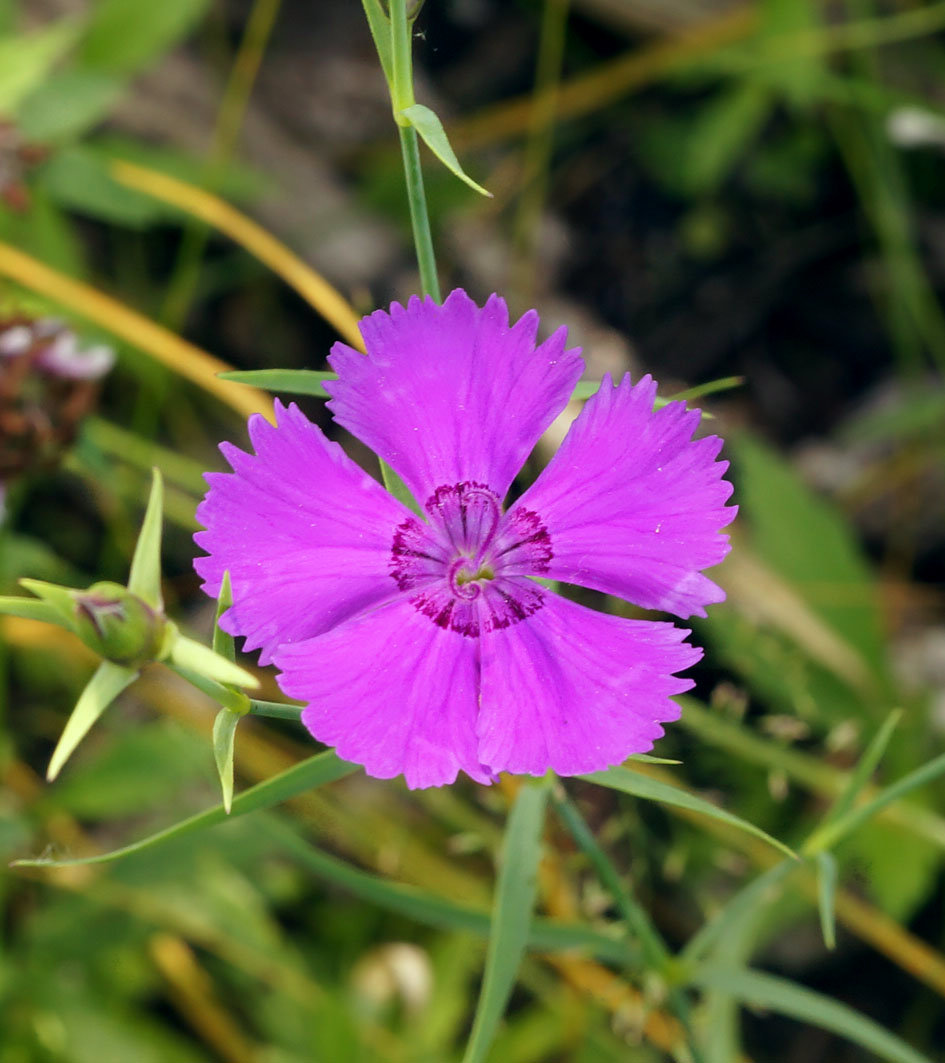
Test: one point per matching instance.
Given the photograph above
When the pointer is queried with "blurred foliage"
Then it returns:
(788, 152)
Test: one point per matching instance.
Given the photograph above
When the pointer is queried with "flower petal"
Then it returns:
(449, 394)
(632, 505)
(305, 533)
(393, 691)
(575, 690)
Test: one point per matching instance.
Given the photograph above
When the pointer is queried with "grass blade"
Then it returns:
(826, 897)
(315, 771)
(747, 901)
(287, 381)
(760, 990)
(512, 914)
(108, 681)
(638, 785)
(827, 837)
(864, 769)
(429, 909)
(144, 578)
(224, 736)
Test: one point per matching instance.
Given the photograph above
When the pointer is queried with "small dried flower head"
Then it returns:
(118, 625)
(48, 383)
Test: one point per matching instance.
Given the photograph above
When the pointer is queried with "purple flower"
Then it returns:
(421, 646)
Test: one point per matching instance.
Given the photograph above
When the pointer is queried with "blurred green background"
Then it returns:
(699, 189)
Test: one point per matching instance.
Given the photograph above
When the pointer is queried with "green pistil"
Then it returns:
(463, 576)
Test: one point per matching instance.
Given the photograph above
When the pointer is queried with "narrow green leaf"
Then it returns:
(632, 782)
(60, 599)
(512, 914)
(711, 387)
(829, 836)
(749, 900)
(431, 131)
(826, 897)
(31, 609)
(315, 771)
(759, 990)
(144, 578)
(224, 735)
(222, 693)
(637, 919)
(429, 909)
(108, 681)
(380, 30)
(224, 645)
(288, 381)
(864, 769)
(26, 59)
(195, 657)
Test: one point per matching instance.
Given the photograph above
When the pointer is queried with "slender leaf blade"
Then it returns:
(748, 901)
(380, 30)
(826, 897)
(195, 657)
(638, 785)
(224, 735)
(288, 381)
(31, 609)
(864, 769)
(429, 909)
(760, 990)
(315, 771)
(432, 133)
(107, 682)
(144, 578)
(512, 914)
(224, 645)
(857, 816)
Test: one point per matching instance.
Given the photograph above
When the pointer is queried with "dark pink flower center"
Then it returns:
(464, 569)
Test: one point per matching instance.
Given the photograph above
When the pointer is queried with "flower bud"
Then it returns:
(119, 625)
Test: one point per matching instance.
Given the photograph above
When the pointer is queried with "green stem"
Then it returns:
(401, 94)
(275, 710)
(419, 218)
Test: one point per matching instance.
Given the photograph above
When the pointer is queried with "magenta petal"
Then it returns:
(575, 690)
(305, 533)
(451, 394)
(392, 691)
(633, 506)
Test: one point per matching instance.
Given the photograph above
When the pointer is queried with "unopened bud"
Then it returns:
(119, 625)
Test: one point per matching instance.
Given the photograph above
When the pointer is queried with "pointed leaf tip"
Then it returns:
(430, 128)
(108, 681)
(144, 579)
(223, 642)
(194, 656)
(224, 736)
(60, 599)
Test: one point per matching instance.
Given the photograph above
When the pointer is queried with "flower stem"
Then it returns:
(401, 93)
(419, 218)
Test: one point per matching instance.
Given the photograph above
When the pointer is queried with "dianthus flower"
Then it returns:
(423, 646)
